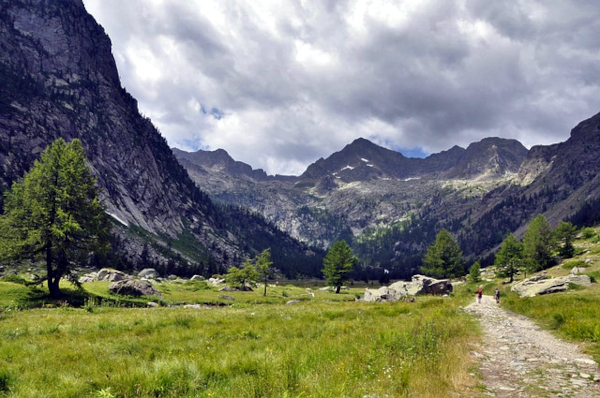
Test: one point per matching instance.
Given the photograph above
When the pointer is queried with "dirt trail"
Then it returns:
(518, 359)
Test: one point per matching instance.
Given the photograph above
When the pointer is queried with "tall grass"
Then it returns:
(311, 349)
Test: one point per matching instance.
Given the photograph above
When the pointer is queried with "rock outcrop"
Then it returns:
(418, 285)
(540, 284)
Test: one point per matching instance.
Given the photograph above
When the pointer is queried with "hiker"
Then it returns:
(479, 294)
(497, 295)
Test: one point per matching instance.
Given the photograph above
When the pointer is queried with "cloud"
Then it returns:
(279, 84)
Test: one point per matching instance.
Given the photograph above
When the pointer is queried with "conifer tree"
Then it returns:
(538, 244)
(54, 213)
(565, 232)
(338, 263)
(263, 266)
(509, 259)
(443, 258)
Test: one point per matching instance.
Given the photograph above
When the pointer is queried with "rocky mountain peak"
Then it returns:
(490, 157)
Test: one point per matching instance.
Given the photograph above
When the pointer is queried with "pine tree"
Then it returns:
(538, 244)
(474, 272)
(54, 213)
(338, 263)
(443, 258)
(565, 232)
(509, 259)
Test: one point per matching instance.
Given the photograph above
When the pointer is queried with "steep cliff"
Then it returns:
(58, 78)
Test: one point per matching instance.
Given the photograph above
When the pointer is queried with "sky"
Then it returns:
(280, 83)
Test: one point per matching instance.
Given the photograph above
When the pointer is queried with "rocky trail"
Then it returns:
(519, 359)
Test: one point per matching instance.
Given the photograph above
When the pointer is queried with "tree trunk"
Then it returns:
(338, 289)
(265, 294)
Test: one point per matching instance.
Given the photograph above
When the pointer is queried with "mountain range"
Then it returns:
(390, 207)
(203, 212)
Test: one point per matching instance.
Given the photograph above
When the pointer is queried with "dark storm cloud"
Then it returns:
(279, 84)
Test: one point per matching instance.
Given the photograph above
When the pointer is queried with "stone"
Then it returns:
(112, 275)
(538, 285)
(577, 270)
(292, 302)
(419, 284)
(216, 281)
(228, 289)
(131, 287)
(227, 297)
(197, 278)
(148, 273)
(151, 304)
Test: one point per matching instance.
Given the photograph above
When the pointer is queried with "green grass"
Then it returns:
(326, 346)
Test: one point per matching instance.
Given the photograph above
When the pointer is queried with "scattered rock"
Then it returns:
(197, 278)
(227, 297)
(292, 302)
(132, 287)
(228, 289)
(151, 304)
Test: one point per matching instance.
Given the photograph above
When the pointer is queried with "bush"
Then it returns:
(588, 233)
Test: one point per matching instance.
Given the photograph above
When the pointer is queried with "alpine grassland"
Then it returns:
(252, 346)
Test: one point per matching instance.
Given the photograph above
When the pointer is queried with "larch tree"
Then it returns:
(443, 258)
(509, 259)
(263, 267)
(54, 214)
(538, 244)
(338, 264)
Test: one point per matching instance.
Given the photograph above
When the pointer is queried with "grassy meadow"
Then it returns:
(323, 346)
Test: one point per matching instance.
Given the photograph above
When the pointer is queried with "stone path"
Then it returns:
(518, 359)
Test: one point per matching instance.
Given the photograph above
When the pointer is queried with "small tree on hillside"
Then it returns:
(338, 263)
(54, 214)
(443, 258)
(565, 233)
(509, 259)
(538, 244)
(263, 267)
(474, 272)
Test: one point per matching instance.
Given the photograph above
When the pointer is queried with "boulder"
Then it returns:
(292, 302)
(538, 285)
(418, 285)
(226, 297)
(148, 273)
(131, 287)
(229, 289)
(197, 278)
(577, 270)
(112, 275)
(88, 278)
(216, 281)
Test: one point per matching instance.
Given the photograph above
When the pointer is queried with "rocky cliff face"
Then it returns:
(58, 79)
